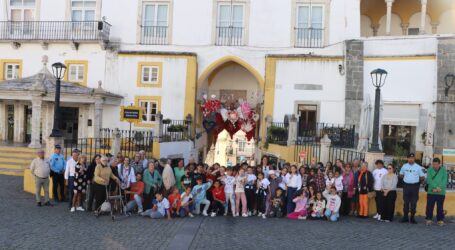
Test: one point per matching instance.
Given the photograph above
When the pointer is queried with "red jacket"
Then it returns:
(137, 187)
(174, 199)
(218, 193)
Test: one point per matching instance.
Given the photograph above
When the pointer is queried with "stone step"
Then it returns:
(28, 151)
(17, 155)
(8, 160)
(12, 172)
(14, 166)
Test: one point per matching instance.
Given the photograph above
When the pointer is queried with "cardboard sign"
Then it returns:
(130, 114)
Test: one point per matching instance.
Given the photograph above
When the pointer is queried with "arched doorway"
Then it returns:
(231, 81)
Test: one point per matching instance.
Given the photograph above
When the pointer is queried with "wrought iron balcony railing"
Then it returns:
(229, 36)
(54, 30)
(156, 35)
(309, 38)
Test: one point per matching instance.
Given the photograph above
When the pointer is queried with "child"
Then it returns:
(333, 204)
(186, 203)
(318, 206)
(160, 208)
(175, 202)
(250, 190)
(240, 181)
(229, 181)
(199, 194)
(329, 180)
(186, 179)
(219, 198)
(263, 189)
(277, 204)
(300, 210)
(338, 182)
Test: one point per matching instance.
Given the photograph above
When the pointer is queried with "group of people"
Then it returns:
(154, 189)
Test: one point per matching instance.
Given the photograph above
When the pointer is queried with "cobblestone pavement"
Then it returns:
(25, 226)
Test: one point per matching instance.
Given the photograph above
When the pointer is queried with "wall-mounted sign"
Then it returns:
(448, 152)
(130, 114)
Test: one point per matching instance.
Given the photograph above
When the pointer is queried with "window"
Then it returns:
(149, 74)
(230, 24)
(154, 23)
(11, 71)
(150, 106)
(83, 10)
(76, 72)
(413, 31)
(22, 10)
(310, 26)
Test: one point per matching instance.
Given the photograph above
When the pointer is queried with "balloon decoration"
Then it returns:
(231, 117)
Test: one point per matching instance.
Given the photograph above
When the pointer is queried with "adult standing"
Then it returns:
(179, 171)
(80, 183)
(136, 164)
(103, 174)
(364, 184)
(437, 183)
(40, 169)
(126, 174)
(348, 190)
(90, 173)
(412, 175)
(265, 166)
(57, 162)
(168, 179)
(389, 193)
(378, 174)
(294, 183)
(70, 170)
(144, 160)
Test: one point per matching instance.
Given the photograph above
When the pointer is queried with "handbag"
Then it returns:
(426, 184)
(372, 194)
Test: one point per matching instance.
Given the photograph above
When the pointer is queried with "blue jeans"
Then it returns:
(331, 216)
(433, 199)
(153, 214)
(290, 203)
(70, 190)
(137, 202)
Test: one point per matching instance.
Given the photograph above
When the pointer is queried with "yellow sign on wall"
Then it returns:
(130, 114)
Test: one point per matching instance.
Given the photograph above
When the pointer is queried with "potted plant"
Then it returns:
(167, 121)
(176, 128)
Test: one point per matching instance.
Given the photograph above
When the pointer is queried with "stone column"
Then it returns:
(268, 124)
(116, 141)
(159, 126)
(19, 122)
(325, 147)
(98, 117)
(189, 125)
(423, 16)
(2, 121)
(37, 101)
(375, 28)
(389, 16)
(404, 28)
(292, 131)
(372, 157)
(354, 82)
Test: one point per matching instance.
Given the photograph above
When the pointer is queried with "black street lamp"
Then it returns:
(58, 69)
(449, 80)
(378, 77)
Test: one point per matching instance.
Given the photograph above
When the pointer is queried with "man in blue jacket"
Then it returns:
(57, 162)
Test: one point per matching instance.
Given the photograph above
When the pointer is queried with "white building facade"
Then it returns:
(308, 58)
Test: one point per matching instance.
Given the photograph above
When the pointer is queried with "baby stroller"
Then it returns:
(113, 204)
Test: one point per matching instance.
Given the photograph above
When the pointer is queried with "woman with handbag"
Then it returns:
(365, 189)
(153, 182)
(389, 186)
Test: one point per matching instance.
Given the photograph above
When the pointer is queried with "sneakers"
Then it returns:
(38, 204)
(249, 213)
(404, 220)
(190, 215)
(376, 216)
(245, 215)
(235, 215)
(80, 209)
(140, 210)
(48, 204)
(302, 217)
(264, 217)
(213, 214)
(441, 223)
(260, 214)
(225, 214)
(429, 222)
(73, 209)
(379, 217)
(204, 213)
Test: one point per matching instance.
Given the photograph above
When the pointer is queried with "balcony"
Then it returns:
(154, 35)
(309, 38)
(229, 36)
(19, 31)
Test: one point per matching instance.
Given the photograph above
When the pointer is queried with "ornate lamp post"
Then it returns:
(378, 77)
(449, 81)
(58, 69)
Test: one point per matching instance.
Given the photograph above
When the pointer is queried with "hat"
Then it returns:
(271, 172)
(75, 150)
(58, 146)
(411, 155)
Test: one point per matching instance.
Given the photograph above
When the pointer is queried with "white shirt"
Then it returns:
(186, 197)
(329, 181)
(131, 178)
(283, 182)
(294, 181)
(265, 170)
(338, 183)
(70, 168)
(250, 179)
(378, 174)
(264, 184)
(229, 182)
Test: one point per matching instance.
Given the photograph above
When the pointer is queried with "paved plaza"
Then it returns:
(25, 226)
